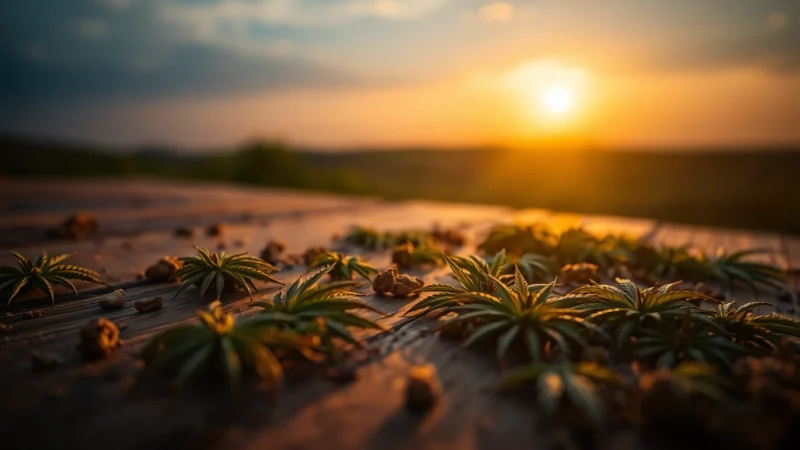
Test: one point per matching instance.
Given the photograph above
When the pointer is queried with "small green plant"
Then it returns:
(626, 309)
(729, 268)
(366, 237)
(517, 239)
(306, 302)
(219, 348)
(42, 274)
(472, 273)
(521, 313)
(575, 245)
(744, 326)
(409, 256)
(220, 270)
(578, 383)
(343, 268)
(675, 341)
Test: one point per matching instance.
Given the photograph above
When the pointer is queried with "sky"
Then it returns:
(339, 74)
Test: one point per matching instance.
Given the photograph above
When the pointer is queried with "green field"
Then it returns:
(745, 188)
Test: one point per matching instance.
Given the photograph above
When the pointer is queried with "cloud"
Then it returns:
(104, 55)
(777, 21)
(496, 12)
(93, 28)
(772, 52)
(115, 4)
(204, 18)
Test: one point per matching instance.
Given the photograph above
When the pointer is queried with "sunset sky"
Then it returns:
(392, 73)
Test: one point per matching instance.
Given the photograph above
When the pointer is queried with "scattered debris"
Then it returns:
(77, 226)
(4, 327)
(183, 232)
(401, 286)
(165, 269)
(578, 273)
(401, 255)
(422, 387)
(273, 251)
(217, 229)
(312, 253)
(114, 300)
(33, 313)
(405, 286)
(99, 338)
(384, 281)
(449, 236)
(41, 361)
(144, 306)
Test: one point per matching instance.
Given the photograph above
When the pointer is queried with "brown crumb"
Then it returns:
(144, 306)
(183, 232)
(114, 300)
(405, 285)
(401, 255)
(165, 269)
(422, 387)
(77, 226)
(273, 251)
(217, 229)
(33, 313)
(98, 339)
(384, 281)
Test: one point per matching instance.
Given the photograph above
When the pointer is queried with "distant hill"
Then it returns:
(756, 188)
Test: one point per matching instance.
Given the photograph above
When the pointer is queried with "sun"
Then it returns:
(557, 99)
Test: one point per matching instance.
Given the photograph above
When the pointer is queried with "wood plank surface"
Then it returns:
(93, 405)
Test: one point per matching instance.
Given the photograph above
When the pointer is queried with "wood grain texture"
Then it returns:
(93, 405)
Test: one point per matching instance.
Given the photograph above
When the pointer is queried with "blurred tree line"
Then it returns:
(263, 163)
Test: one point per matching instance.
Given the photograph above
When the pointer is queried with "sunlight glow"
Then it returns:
(549, 94)
(557, 99)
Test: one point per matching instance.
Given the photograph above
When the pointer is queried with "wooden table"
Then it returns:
(84, 405)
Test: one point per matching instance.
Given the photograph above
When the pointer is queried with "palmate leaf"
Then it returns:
(218, 347)
(744, 326)
(578, 383)
(518, 239)
(342, 267)
(473, 274)
(43, 274)
(306, 302)
(523, 314)
(676, 341)
(209, 269)
(732, 267)
(625, 310)
(366, 237)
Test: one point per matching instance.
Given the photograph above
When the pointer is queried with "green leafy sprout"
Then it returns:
(42, 274)
(306, 303)
(343, 267)
(220, 270)
(219, 348)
